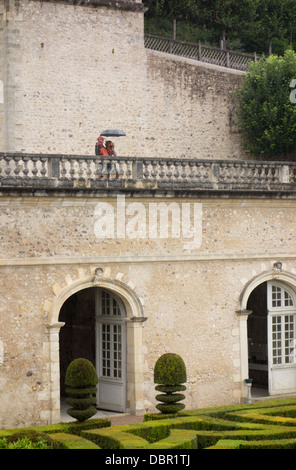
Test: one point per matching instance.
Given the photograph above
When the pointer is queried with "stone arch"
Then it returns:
(275, 274)
(278, 274)
(99, 277)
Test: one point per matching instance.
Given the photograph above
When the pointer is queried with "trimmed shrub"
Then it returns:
(81, 379)
(22, 439)
(169, 374)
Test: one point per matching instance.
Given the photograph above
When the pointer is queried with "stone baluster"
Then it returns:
(192, 166)
(72, 168)
(63, 169)
(206, 173)
(7, 167)
(80, 171)
(270, 174)
(222, 172)
(88, 170)
(198, 171)
(236, 172)
(43, 170)
(263, 175)
(146, 172)
(256, 174)
(176, 174)
(184, 170)
(129, 169)
(154, 171)
(244, 173)
(17, 169)
(162, 170)
(34, 168)
(169, 172)
(249, 172)
(121, 168)
(26, 169)
(229, 173)
(114, 164)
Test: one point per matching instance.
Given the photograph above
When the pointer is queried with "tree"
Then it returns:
(228, 15)
(290, 19)
(271, 20)
(174, 9)
(266, 111)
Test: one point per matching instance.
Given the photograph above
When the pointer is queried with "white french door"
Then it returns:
(281, 338)
(110, 351)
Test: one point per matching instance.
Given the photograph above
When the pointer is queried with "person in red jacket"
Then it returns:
(101, 150)
(111, 152)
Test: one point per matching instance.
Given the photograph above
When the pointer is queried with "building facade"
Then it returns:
(190, 251)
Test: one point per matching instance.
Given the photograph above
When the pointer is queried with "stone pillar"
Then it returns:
(54, 365)
(243, 328)
(135, 379)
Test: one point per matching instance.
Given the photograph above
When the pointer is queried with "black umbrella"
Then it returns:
(113, 133)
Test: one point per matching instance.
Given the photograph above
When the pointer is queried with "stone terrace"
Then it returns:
(31, 172)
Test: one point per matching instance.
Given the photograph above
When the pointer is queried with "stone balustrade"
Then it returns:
(89, 172)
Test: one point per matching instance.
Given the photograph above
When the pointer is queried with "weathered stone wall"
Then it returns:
(190, 298)
(192, 109)
(1, 75)
(81, 72)
(71, 71)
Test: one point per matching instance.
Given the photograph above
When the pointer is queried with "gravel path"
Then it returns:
(125, 419)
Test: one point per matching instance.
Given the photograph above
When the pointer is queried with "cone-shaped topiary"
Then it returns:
(169, 374)
(81, 380)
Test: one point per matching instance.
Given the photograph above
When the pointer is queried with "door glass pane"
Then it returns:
(276, 296)
(283, 339)
(289, 339)
(276, 340)
(106, 348)
(280, 297)
(288, 299)
(112, 351)
(105, 303)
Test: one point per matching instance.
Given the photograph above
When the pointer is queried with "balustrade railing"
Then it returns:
(197, 51)
(67, 171)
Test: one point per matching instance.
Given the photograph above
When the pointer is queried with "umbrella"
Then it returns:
(113, 133)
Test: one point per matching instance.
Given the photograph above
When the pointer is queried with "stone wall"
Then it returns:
(190, 298)
(71, 70)
(192, 109)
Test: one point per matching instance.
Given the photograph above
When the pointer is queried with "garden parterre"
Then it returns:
(265, 425)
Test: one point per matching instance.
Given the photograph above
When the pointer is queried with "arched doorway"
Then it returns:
(272, 337)
(95, 328)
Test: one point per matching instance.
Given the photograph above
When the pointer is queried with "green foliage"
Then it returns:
(264, 425)
(170, 373)
(267, 117)
(170, 369)
(263, 26)
(81, 379)
(30, 439)
(70, 441)
(24, 443)
(81, 373)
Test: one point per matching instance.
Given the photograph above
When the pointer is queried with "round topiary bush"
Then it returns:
(169, 374)
(81, 380)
